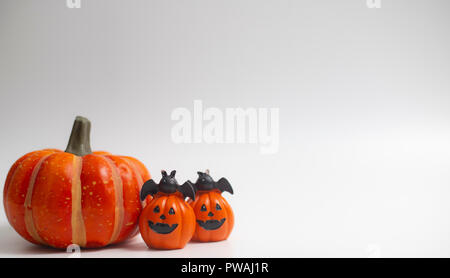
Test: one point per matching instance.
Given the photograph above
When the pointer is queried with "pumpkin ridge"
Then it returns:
(18, 184)
(77, 220)
(118, 193)
(179, 208)
(136, 173)
(11, 174)
(29, 221)
(129, 183)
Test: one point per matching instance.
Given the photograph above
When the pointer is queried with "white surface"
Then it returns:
(12, 245)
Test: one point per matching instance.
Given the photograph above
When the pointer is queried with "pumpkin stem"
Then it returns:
(79, 141)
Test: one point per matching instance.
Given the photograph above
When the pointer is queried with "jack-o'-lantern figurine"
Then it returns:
(215, 218)
(167, 222)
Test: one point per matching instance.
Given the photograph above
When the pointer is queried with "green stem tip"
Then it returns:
(79, 141)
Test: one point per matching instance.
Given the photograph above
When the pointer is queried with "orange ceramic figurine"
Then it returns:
(167, 222)
(77, 196)
(215, 218)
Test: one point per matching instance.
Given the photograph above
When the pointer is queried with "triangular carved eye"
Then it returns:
(156, 209)
(171, 211)
(218, 207)
(203, 208)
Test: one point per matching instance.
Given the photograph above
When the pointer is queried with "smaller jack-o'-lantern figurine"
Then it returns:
(215, 218)
(167, 222)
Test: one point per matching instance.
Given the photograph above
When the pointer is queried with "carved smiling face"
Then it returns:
(162, 227)
(211, 224)
(215, 218)
(167, 222)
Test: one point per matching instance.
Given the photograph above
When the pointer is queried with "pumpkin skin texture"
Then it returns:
(214, 216)
(170, 209)
(58, 198)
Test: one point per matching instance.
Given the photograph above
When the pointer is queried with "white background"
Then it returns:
(364, 96)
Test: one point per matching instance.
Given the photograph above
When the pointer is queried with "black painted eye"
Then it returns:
(218, 207)
(203, 208)
(171, 211)
(156, 209)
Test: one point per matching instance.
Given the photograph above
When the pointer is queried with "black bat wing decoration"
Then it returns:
(224, 185)
(187, 189)
(149, 188)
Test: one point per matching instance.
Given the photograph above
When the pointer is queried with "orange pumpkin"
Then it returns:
(79, 197)
(215, 218)
(167, 222)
